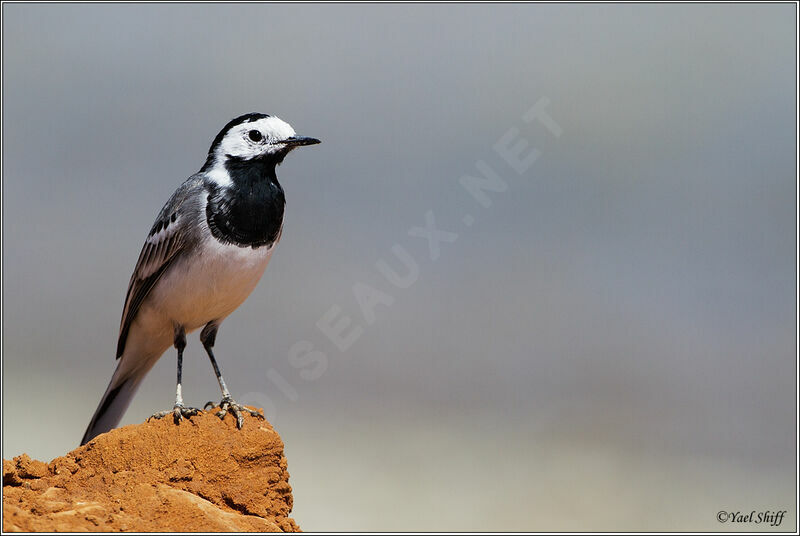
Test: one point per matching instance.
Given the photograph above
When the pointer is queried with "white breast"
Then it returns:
(216, 282)
(207, 284)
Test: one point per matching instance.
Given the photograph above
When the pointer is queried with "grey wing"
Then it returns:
(167, 239)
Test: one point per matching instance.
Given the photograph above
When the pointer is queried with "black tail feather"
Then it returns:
(112, 406)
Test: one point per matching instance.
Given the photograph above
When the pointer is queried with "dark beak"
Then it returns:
(300, 140)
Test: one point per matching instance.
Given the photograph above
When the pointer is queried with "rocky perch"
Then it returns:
(203, 475)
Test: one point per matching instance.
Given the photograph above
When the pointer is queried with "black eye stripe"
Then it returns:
(255, 135)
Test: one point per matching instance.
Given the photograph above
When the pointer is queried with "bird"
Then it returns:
(203, 256)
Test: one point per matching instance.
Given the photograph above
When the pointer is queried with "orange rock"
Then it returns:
(200, 476)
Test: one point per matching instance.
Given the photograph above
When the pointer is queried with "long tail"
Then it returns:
(115, 401)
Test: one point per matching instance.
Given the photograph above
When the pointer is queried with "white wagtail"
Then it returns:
(204, 255)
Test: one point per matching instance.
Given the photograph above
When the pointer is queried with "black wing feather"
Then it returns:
(138, 291)
(156, 257)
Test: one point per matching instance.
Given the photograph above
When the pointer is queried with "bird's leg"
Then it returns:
(179, 411)
(208, 336)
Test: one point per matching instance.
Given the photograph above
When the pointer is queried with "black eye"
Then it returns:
(255, 135)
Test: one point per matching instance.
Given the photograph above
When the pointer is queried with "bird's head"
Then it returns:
(255, 136)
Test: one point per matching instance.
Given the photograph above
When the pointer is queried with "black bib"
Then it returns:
(251, 214)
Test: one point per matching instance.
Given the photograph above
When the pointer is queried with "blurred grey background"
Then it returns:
(610, 345)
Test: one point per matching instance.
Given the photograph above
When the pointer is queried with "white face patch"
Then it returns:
(255, 138)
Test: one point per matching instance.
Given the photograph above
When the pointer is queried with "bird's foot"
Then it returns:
(230, 405)
(178, 413)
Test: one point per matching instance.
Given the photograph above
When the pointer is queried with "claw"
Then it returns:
(178, 412)
(230, 405)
